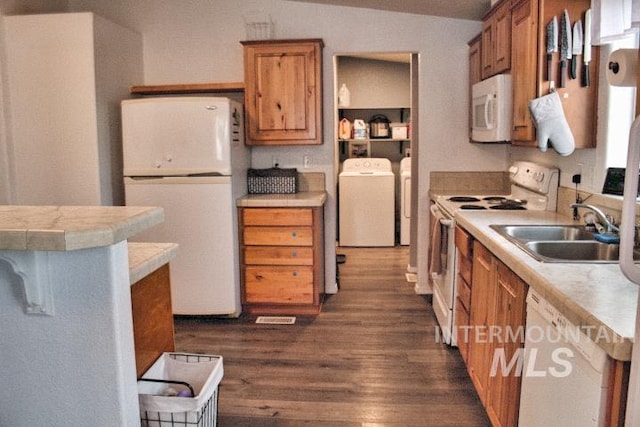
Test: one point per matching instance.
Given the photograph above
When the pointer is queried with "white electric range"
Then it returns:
(533, 187)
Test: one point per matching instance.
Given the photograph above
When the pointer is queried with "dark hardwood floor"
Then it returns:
(371, 358)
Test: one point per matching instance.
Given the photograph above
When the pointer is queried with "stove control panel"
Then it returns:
(541, 179)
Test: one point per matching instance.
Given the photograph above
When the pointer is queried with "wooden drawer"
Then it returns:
(462, 332)
(464, 242)
(464, 291)
(278, 255)
(278, 236)
(279, 285)
(465, 267)
(277, 216)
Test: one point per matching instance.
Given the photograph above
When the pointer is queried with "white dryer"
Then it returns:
(405, 200)
(366, 203)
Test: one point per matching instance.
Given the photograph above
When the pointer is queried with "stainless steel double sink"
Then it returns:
(560, 243)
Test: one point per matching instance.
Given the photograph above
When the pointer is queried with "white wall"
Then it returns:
(198, 41)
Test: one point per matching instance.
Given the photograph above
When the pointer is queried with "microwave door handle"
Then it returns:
(487, 111)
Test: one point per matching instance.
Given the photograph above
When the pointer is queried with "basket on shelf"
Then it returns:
(272, 181)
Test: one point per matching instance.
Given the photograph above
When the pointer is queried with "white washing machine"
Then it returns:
(367, 203)
(405, 200)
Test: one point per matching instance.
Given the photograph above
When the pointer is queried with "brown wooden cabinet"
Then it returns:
(497, 316)
(481, 318)
(503, 400)
(475, 70)
(153, 330)
(524, 59)
(282, 255)
(464, 246)
(530, 80)
(497, 313)
(283, 92)
(496, 40)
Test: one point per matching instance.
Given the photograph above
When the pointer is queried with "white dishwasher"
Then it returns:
(565, 374)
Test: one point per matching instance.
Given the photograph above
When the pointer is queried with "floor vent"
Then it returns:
(276, 320)
(411, 277)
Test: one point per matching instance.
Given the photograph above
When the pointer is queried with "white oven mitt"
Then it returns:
(551, 124)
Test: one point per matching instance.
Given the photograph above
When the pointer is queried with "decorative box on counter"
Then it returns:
(272, 181)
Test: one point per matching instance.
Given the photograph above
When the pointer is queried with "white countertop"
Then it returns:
(306, 199)
(596, 297)
(67, 228)
(145, 258)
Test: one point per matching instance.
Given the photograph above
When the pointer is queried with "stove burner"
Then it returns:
(472, 207)
(508, 207)
(494, 198)
(463, 199)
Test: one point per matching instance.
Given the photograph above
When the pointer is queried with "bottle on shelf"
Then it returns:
(344, 96)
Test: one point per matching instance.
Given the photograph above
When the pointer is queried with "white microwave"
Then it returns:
(491, 109)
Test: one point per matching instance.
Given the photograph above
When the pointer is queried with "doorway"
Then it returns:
(382, 87)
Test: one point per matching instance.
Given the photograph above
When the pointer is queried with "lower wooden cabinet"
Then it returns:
(282, 260)
(464, 246)
(492, 321)
(497, 313)
(153, 331)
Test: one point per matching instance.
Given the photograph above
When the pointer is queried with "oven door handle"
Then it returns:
(437, 213)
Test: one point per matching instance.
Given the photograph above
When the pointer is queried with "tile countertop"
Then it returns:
(67, 228)
(145, 258)
(596, 297)
(303, 199)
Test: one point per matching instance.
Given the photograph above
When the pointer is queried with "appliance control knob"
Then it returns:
(158, 164)
(367, 164)
(513, 170)
(168, 157)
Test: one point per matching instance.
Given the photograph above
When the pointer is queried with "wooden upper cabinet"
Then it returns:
(524, 55)
(475, 69)
(496, 40)
(283, 91)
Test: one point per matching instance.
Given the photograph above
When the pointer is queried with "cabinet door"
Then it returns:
(496, 40)
(524, 48)
(487, 49)
(502, 42)
(481, 318)
(283, 92)
(475, 68)
(503, 400)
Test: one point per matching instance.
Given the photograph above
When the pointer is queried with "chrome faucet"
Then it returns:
(603, 218)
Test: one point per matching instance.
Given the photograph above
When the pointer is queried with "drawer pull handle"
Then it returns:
(294, 234)
(259, 276)
(294, 254)
(294, 274)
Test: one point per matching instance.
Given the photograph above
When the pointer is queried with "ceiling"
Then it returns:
(461, 9)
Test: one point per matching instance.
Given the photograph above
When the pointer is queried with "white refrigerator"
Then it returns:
(187, 155)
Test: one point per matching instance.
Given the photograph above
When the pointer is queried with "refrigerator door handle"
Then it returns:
(628, 226)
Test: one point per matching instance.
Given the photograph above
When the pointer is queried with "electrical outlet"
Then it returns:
(306, 161)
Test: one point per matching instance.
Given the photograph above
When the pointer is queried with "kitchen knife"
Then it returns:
(577, 47)
(565, 46)
(552, 44)
(587, 48)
